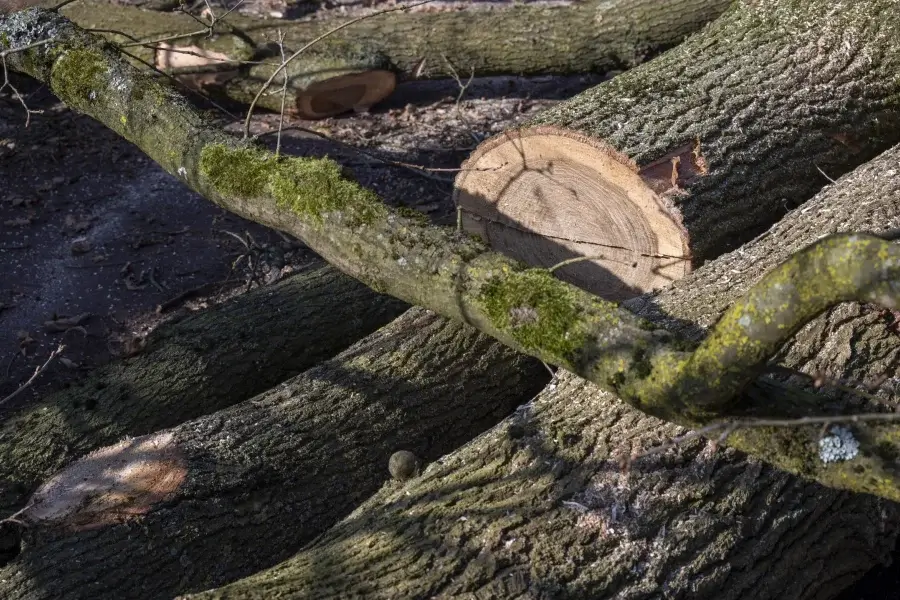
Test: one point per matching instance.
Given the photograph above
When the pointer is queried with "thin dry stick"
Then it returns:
(207, 30)
(37, 372)
(180, 85)
(821, 379)
(578, 259)
(285, 63)
(729, 427)
(283, 96)
(221, 64)
(61, 4)
(418, 169)
(8, 84)
(462, 92)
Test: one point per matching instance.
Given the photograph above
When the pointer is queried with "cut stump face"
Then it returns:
(337, 95)
(545, 195)
(109, 485)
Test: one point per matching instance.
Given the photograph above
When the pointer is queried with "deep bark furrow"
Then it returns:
(192, 367)
(268, 475)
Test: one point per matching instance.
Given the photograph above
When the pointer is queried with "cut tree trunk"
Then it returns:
(540, 507)
(197, 366)
(689, 155)
(246, 487)
(356, 66)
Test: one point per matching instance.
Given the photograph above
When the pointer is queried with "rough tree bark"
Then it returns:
(527, 309)
(246, 487)
(359, 62)
(689, 155)
(189, 368)
(539, 506)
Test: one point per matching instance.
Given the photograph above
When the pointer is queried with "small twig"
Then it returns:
(179, 84)
(200, 289)
(824, 174)
(61, 4)
(152, 279)
(37, 372)
(244, 242)
(729, 427)
(418, 169)
(9, 51)
(283, 96)
(572, 261)
(8, 84)
(549, 370)
(821, 380)
(293, 56)
(462, 92)
(208, 29)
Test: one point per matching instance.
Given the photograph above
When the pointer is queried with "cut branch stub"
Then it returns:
(321, 82)
(545, 195)
(352, 91)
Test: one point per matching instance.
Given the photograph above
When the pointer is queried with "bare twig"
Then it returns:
(8, 84)
(418, 169)
(208, 29)
(293, 56)
(459, 97)
(728, 427)
(35, 375)
(283, 95)
(181, 86)
(201, 289)
(61, 4)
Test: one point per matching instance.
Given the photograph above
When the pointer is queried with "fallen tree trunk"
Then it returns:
(540, 505)
(695, 152)
(355, 67)
(221, 497)
(189, 368)
(527, 309)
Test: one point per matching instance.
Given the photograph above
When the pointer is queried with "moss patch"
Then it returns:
(537, 310)
(78, 75)
(309, 187)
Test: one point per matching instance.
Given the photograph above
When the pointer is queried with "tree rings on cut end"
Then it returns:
(547, 195)
(336, 95)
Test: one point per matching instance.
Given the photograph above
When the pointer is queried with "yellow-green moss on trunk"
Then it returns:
(309, 187)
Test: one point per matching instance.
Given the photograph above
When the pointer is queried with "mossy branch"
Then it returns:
(527, 309)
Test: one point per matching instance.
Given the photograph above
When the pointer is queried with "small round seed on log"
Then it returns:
(403, 465)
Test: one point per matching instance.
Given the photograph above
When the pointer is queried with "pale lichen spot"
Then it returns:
(840, 445)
